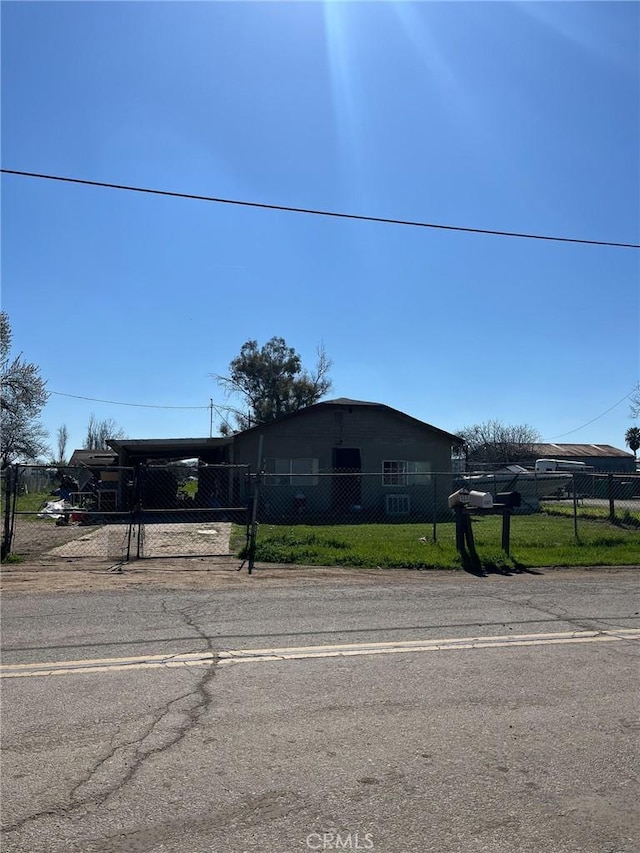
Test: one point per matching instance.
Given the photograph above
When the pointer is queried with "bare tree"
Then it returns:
(272, 382)
(100, 431)
(62, 437)
(635, 402)
(495, 443)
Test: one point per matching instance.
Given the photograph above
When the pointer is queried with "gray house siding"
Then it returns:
(342, 440)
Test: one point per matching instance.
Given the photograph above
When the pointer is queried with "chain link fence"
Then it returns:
(193, 511)
(120, 514)
(397, 518)
(396, 496)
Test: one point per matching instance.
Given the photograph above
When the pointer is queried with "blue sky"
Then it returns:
(515, 116)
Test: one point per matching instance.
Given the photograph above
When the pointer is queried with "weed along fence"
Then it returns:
(399, 516)
(121, 514)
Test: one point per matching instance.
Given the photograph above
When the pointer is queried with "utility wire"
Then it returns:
(314, 212)
(117, 403)
(593, 420)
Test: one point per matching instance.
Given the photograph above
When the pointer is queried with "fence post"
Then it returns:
(253, 529)
(435, 507)
(575, 507)
(8, 491)
(506, 530)
(612, 505)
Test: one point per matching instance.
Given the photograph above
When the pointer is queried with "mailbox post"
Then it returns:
(508, 501)
(464, 502)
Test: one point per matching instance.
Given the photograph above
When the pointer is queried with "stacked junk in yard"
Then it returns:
(213, 511)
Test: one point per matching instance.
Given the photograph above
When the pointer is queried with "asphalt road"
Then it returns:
(389, 712)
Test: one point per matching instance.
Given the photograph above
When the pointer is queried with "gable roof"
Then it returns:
(346, 402)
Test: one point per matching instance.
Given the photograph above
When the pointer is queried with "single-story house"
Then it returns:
(600, 457)
(334, 457)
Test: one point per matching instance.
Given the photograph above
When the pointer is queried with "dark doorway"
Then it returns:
(346, 483)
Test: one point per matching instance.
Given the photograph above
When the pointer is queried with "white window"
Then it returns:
(291, 472)
(393, 473)
(401, 472)
(397, 504)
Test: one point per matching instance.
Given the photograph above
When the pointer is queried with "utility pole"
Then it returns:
(210, 417)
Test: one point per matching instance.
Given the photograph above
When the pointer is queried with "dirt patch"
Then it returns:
(203, 573)
(34, 537)
(191, 573)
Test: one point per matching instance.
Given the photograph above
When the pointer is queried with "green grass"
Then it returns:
(595, 513)
(190, 488)
(238, 539)
(536, 540)
(12, 558)
(33, 503)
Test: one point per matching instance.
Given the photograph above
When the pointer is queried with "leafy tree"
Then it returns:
(271, 381)
(495, 443)
(632, 439)
(23, 393)
(100, 431)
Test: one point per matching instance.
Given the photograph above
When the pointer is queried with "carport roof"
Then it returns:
(92, 458)
(167, 448)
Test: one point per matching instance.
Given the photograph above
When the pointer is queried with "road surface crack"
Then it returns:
(170, 724)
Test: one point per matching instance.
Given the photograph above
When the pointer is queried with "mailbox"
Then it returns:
(512, 500)
(480, 499)
(459, 498)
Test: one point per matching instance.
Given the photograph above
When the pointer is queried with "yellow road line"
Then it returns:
(225, 658)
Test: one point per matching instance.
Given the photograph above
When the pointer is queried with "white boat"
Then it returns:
(532, 485)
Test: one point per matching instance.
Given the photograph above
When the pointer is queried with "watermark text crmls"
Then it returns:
(340, 841)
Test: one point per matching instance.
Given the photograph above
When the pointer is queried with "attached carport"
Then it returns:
(169, 522)
(135, 451)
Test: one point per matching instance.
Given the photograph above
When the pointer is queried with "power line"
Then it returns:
(593, 420)
(328, 213)
(117, 403)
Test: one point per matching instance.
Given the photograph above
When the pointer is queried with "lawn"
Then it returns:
(630, 518)
(33, 503)
(536, 540)
(543, 539)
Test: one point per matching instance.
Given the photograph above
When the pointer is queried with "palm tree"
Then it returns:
(632, 439)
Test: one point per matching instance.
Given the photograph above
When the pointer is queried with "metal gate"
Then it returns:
(186, 511)
(118, 514)
(61, 513)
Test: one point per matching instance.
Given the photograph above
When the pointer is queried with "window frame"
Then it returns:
(280, 471)
(408, 473)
